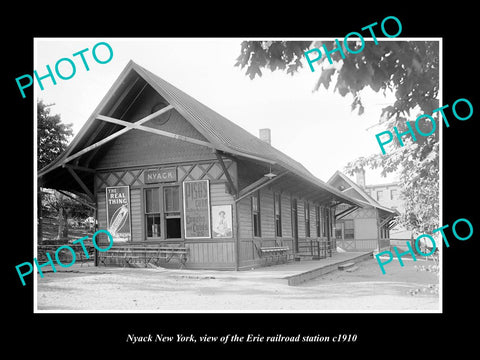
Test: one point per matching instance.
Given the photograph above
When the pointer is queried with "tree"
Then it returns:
(52, 138)
(410, 69)
(65, 207)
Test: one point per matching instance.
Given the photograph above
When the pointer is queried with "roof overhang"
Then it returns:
(71, 171)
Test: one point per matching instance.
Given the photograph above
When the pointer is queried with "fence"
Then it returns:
(65, 255)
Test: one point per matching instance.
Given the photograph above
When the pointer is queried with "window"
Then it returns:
(256, 214)
(384, 232)
(393, 194)
(152, 213)
(379, 195)
(171, 206)
(317, 220)
(307, 219)
(349, 229)
(171, 213)
(294, 218)
(328, 222)
(339, 230)
(277, 203)
(324, 218)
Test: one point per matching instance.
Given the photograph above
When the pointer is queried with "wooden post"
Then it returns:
(237, 238)
(227, 174)
(95, 257)
(39, 215)
(377, 216)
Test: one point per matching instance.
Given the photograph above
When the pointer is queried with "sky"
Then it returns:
(317, 129)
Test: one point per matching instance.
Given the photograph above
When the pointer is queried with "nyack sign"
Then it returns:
(151, 176)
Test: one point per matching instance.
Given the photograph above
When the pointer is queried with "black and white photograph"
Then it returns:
(222, 221)
(311, 184)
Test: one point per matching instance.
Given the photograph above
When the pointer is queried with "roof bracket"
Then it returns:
(81, 183)
(346, 212)
(386, 220)
(257, 185)
(227, 174)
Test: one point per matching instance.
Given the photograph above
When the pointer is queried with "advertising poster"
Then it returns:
(196, 198)
(118, 212)
(222, 221)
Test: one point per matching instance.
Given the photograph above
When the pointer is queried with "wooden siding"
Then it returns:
(358, 244)
(247, 250)
(214, 252)
(286, 217)
(249, 246)
(134, 177)
(220, 196)
(313, 229)
(245, 218)
(365, 229)
(301, 219)
(203, 253)
(139, 147)
(101, 210)
(217, 252)
(266, 214)
(136, 210)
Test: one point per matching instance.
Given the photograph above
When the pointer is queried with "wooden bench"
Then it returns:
(274, 251)
(147, 255)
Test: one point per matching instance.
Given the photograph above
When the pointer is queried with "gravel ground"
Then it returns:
(365, 289)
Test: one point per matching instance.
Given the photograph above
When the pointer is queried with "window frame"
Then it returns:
(392, 192)
(352, 229)
(146, 214)
(318, 229)
(177, 214)
(324, 219)
(162, 212)
(277, 206)
(256, 214)
(340, 228)
(380, 198)
(306, 213)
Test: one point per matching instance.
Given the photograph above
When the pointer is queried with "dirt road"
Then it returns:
(162, 290)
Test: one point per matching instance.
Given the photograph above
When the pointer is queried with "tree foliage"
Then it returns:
(64, 208)
(52, 135)
(409, 69)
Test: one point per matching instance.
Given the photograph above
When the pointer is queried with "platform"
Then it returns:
(297, 272)
(293, 273)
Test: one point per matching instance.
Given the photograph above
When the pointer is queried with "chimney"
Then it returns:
(265, 135)
(360, 176)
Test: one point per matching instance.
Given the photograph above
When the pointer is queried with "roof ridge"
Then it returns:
(368, 199)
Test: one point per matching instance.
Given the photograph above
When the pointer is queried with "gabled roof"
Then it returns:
(219, 132)
(355, 190)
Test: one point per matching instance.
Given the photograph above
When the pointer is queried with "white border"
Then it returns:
(310, 311)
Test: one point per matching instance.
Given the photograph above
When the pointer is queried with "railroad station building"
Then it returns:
(164, 170)
(365, 228)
